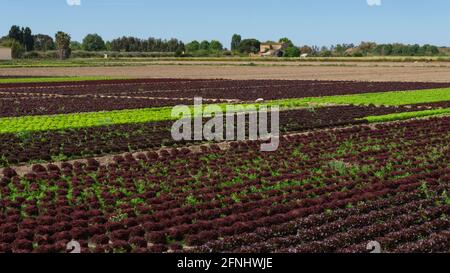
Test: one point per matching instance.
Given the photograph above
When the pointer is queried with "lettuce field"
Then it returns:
(93, 161)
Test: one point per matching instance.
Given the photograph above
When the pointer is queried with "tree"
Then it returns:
(75, 45)
(17, 49)
(383, 50)
(93, 42)
(43, 42)
(306, 50)
(367, 47)
(122, 44)
(23, 36)
(216, 45)
(193, 46)
(415, 49)
(15, 33)
(62, 41)
(173, 45)
(292, 51)
(433, 50)
(205, 45)
(315, 50)
(325, 52)
(249, 46)
(28, 41)
(286, 41)
(235, 42)
(341, 49)
(133, 44)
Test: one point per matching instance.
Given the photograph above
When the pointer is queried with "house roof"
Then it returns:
(273, 44)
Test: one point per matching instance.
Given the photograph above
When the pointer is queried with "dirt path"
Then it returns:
(372, 72)
(304, 63)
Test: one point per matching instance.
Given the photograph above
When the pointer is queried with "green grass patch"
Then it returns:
(408, 115)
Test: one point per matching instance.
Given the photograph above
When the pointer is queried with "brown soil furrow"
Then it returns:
(349, 73)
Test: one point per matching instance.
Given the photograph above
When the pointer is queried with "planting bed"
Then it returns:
(324, 192)
(216, 89)
(25, 106)
(337, 181)
(27, 147)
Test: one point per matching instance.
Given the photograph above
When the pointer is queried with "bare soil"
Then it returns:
(423, 72)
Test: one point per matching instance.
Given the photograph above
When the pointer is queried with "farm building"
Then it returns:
(272, 49)
(5, 53)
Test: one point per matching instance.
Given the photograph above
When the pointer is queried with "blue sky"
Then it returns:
(312, 22)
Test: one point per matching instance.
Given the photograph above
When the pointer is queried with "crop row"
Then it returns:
(178, 199)
(331, 236)
(31, 105)
(109, 139)
(25, 105)
(35, 106)
(316, 227)
(92, 119)
(385, 98)
(248, 90)
(82, 82)
(408, 115)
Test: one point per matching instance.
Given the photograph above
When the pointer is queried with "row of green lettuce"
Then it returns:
(92, 119)
(408, 115)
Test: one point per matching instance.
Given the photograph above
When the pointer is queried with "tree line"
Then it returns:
(373, 49)
(22, 40)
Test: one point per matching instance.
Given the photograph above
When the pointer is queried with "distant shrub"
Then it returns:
(31, 55)
(325, 53)
(201, 53)
(249, 46)
(49, 54)
(17, 50)
(357, 54)
(86, 54)
(292, 52)
(179, 53)
(53, 54)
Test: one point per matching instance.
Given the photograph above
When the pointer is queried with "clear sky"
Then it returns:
(312, 22)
